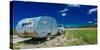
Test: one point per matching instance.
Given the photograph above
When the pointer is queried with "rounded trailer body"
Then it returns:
(37, 27)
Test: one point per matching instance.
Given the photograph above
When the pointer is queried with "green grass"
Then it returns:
(78, 37)
(86, 36)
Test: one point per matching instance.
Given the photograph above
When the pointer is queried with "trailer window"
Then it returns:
(44, 22)
(26, 24)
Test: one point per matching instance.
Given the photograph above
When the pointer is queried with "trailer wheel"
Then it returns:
(48, 36)
(60, 32)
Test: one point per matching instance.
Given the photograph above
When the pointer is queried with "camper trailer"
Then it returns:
(37, 27)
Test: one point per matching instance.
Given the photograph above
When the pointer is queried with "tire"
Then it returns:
(48, 37)
(59, 33)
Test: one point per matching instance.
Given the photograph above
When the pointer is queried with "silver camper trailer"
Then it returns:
(37, 27)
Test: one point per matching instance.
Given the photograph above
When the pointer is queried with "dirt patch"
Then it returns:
(58, 41)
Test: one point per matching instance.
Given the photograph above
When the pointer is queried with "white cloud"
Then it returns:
(92, 10)
(63, 14)
(70, 5)
(73, 5)
(89, 21)
(64, 10)
(95, 19)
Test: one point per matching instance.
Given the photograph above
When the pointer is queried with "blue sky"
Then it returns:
(67, 14)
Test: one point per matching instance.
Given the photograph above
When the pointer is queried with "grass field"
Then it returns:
(85, 36)
(71, 37)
